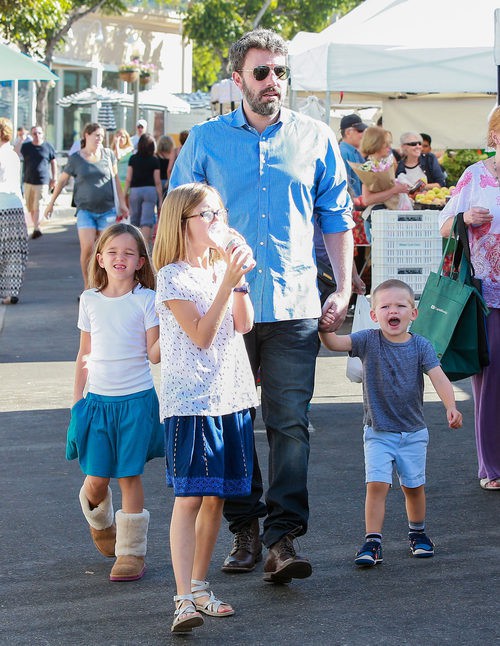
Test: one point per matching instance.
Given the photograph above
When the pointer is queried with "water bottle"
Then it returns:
(222, 235)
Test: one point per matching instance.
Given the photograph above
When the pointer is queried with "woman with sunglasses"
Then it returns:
(415, 166)
(207, 386)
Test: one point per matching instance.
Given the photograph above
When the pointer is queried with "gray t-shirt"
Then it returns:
(393, 382)
(93, 188)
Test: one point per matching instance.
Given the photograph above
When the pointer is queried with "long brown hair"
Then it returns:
(171, 237)
(88, 130)
(98, 278)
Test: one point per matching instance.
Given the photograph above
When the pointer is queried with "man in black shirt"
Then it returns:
(40, 174)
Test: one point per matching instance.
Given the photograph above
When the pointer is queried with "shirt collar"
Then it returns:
(239, 120)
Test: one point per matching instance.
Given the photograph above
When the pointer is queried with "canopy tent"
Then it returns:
(394, 61)
(154, 99)
(19, 67)
(391, 46)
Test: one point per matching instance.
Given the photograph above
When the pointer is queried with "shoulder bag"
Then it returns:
(451, 312)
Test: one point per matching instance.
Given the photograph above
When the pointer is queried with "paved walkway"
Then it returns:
(54, 588)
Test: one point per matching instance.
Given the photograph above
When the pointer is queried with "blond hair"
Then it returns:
(374, 139)
(98, 278)
(171, 243)
(493, 127)
(393, 283)
(6, 129)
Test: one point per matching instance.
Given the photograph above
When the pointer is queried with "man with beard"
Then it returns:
(276, 170)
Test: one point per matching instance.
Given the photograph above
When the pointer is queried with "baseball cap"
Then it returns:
(143, 123)
(352, 121)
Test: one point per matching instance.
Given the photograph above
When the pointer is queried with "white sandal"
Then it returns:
(186, 615)
(210, 607)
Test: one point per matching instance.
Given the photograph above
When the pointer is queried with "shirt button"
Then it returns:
(263, 215)
(261, 244)
(263, 188)
(260, 271)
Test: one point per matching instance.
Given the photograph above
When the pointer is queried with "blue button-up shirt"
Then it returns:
(273, 183)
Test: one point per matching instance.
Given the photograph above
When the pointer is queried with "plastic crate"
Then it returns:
(406, 245)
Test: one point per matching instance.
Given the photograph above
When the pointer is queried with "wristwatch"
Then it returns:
(244, 289)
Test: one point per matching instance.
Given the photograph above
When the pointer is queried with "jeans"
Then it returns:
(286, 353)
(143, 201)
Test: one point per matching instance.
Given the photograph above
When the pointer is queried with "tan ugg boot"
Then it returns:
(131, 545)
(100, 519)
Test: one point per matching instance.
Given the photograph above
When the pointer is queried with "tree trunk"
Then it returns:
(42, 92)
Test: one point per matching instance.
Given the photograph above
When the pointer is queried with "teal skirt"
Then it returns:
(114, 437)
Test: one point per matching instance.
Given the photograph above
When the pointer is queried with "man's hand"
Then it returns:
(334, 312)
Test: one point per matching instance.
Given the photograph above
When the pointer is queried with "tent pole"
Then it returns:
(328, 102)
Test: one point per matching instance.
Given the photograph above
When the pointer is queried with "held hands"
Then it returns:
(334, 312)
(454, 417)
(476, 216)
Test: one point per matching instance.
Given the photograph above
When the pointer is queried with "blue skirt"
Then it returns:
(114, 437)
(210, 456)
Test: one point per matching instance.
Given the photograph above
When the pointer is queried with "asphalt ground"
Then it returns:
(54, 587)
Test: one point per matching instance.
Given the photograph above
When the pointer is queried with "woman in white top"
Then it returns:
(13, 232)
(207, 386)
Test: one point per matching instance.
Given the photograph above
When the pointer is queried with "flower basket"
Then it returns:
(144, 79)
(129, 76)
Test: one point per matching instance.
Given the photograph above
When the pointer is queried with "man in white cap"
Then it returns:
(141, 128)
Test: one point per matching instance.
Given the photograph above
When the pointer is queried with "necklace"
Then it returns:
(495, 169)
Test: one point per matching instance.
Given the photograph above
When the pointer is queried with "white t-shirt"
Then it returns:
(10, 178)
(118, 362)
(195, 381)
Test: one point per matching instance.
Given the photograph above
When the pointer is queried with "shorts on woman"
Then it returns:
(98, 221)
(210, 456)
(143, 201)
(385, 450)
(114, 437)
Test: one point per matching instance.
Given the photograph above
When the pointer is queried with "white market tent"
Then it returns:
(394, 48)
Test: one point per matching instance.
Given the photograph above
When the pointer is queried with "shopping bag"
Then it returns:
(451, 312)
(361, 321)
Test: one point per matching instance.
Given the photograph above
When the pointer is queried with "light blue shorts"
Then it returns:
(97, 221)
(405, 451)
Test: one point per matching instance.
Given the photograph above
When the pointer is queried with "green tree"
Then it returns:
(39, 27)
(213, 25)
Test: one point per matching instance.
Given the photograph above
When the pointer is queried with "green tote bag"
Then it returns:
(451, 312)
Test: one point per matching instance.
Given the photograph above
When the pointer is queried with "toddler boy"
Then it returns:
(394, 428)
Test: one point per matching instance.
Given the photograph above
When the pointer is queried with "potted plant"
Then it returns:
(146, 72)
(129, 72)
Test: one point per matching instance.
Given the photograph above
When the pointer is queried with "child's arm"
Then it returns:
(333, 341)
(444, 389)
(202, 329)
(81, 371)
(153, 344)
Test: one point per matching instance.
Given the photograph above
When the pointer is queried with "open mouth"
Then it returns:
(394, 321)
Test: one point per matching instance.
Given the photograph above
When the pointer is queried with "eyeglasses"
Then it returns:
(412, 143)
(209, 215)
(261, 72)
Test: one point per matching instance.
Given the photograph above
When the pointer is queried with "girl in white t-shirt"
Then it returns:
(115, 429)
(206, 388)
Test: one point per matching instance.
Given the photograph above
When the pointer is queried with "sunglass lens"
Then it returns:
(282, 72)
(261, 72)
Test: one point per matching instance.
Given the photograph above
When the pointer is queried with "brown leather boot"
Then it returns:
(131, 545)
(247, 549)
(283, 563)
(101, 522)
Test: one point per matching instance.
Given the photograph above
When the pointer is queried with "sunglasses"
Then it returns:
(413, 143)
(261, 72)
(209, 215)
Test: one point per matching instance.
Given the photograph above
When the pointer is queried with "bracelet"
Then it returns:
(244, 289)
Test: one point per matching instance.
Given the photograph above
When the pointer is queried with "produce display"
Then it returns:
(434, 196)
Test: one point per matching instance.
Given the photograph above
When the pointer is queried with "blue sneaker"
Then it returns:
(370, 554)
(421, 545)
